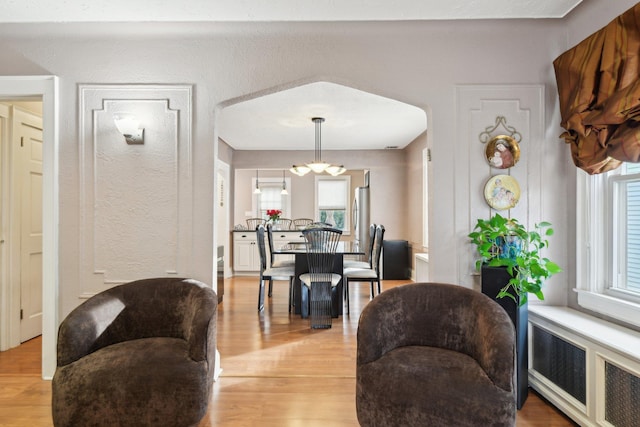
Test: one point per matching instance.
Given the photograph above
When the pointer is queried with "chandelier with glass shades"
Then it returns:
(318, 166)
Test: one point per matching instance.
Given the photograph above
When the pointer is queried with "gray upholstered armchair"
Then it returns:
(435, 355)
(138, 354)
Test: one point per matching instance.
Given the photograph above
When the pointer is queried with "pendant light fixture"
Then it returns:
(257, 190)
(318, 165)
(284, 191)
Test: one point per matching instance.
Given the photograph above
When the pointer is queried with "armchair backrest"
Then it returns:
(159, 307)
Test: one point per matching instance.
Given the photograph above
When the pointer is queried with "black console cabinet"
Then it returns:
(395, 260)
(494, 279)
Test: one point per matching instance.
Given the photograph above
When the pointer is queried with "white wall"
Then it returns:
(417, 63)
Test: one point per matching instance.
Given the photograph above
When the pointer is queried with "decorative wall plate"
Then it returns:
(502, 192)
(502, 152)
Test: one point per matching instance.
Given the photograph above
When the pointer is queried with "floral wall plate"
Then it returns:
(502, 192)
(502, 152)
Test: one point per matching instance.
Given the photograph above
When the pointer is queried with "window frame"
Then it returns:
(597, 217)
(316, 211)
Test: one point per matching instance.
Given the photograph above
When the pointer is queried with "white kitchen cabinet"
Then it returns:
(246, 257)
(281, 238)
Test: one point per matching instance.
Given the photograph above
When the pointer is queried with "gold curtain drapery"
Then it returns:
(599, 90)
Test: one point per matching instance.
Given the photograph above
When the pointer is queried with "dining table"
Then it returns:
(299, 250)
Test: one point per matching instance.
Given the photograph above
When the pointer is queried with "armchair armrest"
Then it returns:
(200, 323)
(79, 332)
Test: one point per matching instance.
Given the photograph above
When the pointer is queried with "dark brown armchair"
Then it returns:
(433, 354)
(138, 354)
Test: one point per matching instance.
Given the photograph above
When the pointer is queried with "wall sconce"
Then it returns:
(129, 126)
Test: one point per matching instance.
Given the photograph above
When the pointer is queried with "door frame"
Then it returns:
(45, 87)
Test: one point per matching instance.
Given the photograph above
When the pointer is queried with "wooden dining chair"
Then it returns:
(371, 275)
(271, 273)
(320, 282)
(253, 223)
(282, 223)
(300, 223)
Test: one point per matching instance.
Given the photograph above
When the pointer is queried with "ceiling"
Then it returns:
(353, 120)
(277, 10)
(282, 120)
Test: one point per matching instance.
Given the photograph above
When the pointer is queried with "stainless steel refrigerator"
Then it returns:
(360, 215)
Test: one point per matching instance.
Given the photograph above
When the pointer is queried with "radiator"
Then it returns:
(561, 362)
(586, 367)
(622, 397)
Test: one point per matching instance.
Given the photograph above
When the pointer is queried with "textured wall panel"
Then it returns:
(136, 200)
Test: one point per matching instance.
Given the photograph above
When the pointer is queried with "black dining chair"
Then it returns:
(272, 273)
(368, 263)
(369, 274)
(272, 256)
(319, 284)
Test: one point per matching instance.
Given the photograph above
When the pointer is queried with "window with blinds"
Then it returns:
(626, 230)
(332, 201)
(270, 197)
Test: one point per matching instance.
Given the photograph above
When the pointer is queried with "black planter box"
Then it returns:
(494, 279)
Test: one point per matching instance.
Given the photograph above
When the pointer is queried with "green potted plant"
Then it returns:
(504, 242)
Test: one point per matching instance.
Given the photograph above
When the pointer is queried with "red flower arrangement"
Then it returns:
(274, 214)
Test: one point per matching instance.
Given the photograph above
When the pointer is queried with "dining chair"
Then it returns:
(300, 223)
(316, 224)
(282, 223)
(272, 256)
(271, 273)
(371, 275)
(252, 223)
(364, 264)
(320, 282)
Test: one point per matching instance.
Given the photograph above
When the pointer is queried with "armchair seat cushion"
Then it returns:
(154, 377)
(401, 393)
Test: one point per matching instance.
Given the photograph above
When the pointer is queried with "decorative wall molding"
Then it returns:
(136, 202)
(476, 107)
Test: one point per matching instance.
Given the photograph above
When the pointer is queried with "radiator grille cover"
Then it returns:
(561, 362)
(622, 397)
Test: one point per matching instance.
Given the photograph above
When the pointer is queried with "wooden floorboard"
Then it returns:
(277, 371)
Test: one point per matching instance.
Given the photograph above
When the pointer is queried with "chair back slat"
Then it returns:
(261, 247)
(377, 248)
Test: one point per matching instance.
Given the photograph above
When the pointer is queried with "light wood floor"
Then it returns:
(276, 371)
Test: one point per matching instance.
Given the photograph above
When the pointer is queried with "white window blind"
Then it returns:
(332, 201)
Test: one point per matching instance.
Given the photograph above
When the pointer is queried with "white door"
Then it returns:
(27, 139)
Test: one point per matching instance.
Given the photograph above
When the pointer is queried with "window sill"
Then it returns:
(615, 308)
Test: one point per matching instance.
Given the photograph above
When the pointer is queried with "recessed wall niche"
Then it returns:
(135, 200)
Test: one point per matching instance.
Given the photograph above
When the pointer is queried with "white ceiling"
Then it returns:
(280, 121)
(353, 120)
(276, 10)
